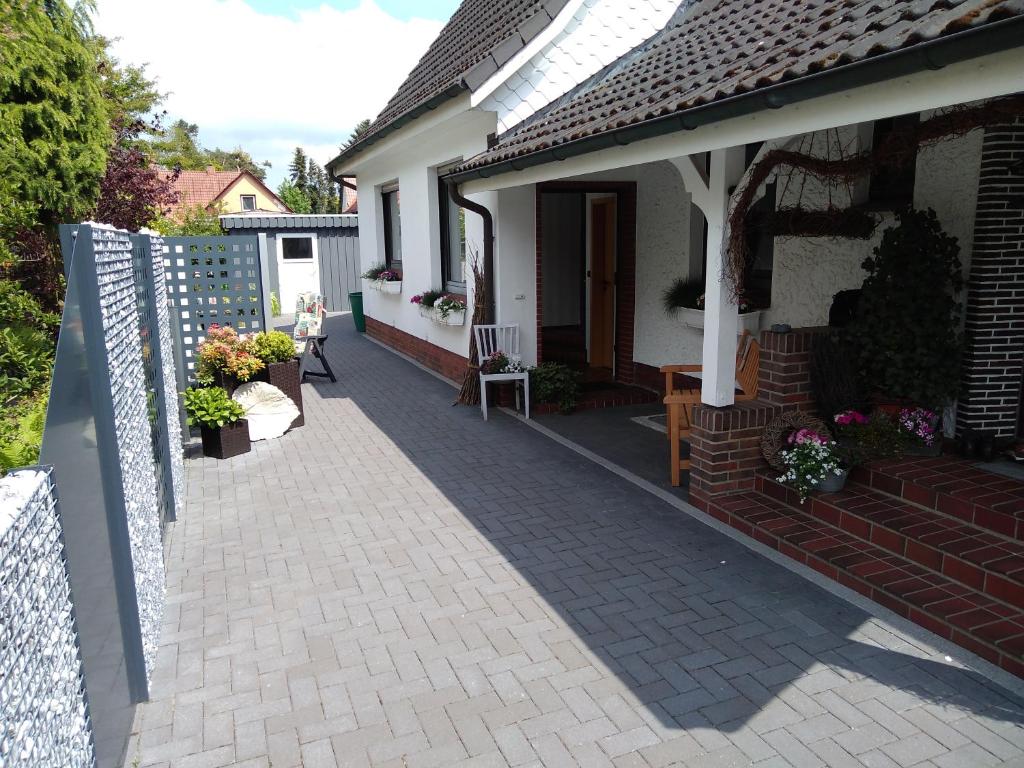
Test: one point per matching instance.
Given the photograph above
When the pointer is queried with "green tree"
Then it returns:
(361, 127)
(178, 147)
(192, 220)
(236, 159)
(297, 171)
(294, 197)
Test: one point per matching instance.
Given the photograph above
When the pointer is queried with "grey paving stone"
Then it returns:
(352, 592)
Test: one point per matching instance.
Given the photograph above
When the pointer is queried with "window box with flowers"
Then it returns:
(383, 279)
(425, 302)
(450, 310)
(685, 300)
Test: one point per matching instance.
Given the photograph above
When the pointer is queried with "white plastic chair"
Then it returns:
(500, 338)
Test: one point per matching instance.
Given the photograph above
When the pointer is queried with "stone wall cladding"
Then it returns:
(444, 362)
(994, 355)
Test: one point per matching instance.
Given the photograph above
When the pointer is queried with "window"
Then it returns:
(453, 241)
(296, 248)
(248, 202)
(392, 228)
(892, 187)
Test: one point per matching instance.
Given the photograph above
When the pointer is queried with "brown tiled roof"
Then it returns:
(478, 39)
(728, 48)
(200, 187)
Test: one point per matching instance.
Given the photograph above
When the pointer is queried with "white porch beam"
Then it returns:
(721, 314)
(695, 180)
(982, 78)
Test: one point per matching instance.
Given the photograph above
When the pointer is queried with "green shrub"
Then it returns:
(907, 329)
(835, 383)
(26, 361)
(211, 407)
(555, 383)
(275, 305)
(879, 438)
(21, 433)
(272, 347)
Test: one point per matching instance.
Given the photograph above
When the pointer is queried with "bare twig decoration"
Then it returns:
(470, 392)
(896, 151)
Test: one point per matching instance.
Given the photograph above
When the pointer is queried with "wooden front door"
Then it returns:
(602, 282)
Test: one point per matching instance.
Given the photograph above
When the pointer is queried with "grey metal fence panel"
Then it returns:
(339, 266)
(213, 280)
(161, 385)
(44, 714)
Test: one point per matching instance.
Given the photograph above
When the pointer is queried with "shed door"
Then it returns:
(298, 266)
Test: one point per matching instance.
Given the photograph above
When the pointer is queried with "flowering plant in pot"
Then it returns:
(425, 301)
(450, 310)
(281, 366)
(225, 358)
(812, 463)
(921, 428)
(221, 422)
(864, 438)
(383, 278)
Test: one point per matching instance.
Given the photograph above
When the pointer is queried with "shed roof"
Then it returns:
(289, 221)
(722, 50)
(477, 41)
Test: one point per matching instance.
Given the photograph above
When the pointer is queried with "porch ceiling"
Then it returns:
(739, 57)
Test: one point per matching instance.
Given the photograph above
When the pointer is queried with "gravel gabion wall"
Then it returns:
(44, 720)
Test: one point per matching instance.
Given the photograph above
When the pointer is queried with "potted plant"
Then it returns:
(221, 422)
(555, 383)
(685, 299)
(281, 366)
(384, 279)
(425, 301)
(920, 426)
(863, 438)
(224, 359)
(906, 332)
(812, 463)
(450, 310)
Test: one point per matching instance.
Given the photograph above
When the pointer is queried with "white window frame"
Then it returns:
(242, 202)
(282, 236)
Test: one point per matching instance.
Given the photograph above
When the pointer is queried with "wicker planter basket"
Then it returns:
(285, 376)
(228, 441)
(773, 440)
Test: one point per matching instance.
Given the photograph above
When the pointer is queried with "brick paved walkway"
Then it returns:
(398, 584)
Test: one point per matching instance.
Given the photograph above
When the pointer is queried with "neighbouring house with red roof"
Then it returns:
(595, 153)
(225, 191)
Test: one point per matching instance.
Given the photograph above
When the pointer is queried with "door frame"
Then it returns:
(625, 268)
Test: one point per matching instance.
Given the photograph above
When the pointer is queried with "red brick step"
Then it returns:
(948, 608)
(954, 487)
(972, 556)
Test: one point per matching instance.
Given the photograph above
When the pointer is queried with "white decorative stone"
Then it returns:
(269, 411)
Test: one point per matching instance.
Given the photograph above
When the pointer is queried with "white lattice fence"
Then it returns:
(44, 720)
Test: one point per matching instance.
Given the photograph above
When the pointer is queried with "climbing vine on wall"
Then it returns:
(897, 150)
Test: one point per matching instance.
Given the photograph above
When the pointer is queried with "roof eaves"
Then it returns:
(454, 90)
(933, 54)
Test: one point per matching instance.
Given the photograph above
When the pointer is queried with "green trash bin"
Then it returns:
(356, 300)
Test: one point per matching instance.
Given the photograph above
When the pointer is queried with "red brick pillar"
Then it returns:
(785, 377)
(725, 448)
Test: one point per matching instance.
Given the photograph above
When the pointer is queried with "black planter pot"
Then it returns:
(285, 376)
(227, 441)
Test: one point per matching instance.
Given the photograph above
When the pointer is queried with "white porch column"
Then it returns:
(721, 314)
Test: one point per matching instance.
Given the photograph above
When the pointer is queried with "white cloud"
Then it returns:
(268, 83)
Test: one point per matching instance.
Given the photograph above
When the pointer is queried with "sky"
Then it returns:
(270, 75)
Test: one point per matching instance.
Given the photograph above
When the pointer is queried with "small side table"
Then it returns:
(315, 348)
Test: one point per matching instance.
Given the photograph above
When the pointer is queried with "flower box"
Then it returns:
(694, 318)
(285, 376)
(386, 286)
(227, 441)
(454, 317)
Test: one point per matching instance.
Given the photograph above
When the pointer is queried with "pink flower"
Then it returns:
(846, 418)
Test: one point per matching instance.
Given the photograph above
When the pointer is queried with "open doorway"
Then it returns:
(578, 278)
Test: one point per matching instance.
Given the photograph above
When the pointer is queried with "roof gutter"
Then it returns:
(936, 54)
(402, 120)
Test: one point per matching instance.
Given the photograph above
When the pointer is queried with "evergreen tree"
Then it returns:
(361, 127)
(297, 171)
(178, 147)
(294, 198)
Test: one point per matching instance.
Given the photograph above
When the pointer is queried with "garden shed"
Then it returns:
(306, 252)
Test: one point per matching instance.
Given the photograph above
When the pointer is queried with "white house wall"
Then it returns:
(413, 164)
(515, 262)
(598, 33)
(809, 271)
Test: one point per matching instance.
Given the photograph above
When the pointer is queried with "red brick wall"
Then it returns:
(725, 448)
(785, 376)
(448, 364)
(625, 268)
(991, 376)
